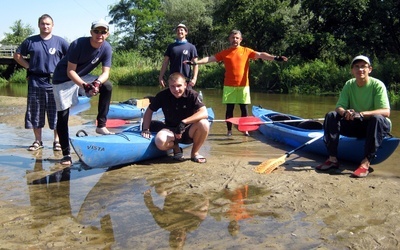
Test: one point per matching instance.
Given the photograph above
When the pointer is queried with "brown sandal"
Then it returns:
(56, 146)
(36, 145)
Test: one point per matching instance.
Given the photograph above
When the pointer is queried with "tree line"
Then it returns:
(319, 36)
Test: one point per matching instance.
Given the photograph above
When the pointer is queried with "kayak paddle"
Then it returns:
(251, 123)
(114, 123)
(266, 167)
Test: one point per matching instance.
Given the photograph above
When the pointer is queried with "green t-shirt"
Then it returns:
(372, 96)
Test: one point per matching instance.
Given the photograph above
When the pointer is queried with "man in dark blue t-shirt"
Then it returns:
(71, 78)
(45, 51)
(178, 52)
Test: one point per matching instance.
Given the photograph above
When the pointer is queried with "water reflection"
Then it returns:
(180, 214)
(239, 205)
(48, 193)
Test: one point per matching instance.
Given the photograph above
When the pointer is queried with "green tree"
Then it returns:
(137, 22)
(342, 29)
(19, 33)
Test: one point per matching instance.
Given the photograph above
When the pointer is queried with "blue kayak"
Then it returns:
(297, 133)
(83, 105)
(124, 111)
(118, 149)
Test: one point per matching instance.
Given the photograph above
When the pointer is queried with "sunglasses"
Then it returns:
(103, 32)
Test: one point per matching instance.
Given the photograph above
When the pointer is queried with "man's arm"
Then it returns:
(195, 73)
(351, 114)
(200, 114)
(21, 60)
(269, 57)
(162, 71)
(206, 60)
(148, 114)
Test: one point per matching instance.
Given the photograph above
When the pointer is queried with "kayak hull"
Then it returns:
(349, 149)
(118, 149)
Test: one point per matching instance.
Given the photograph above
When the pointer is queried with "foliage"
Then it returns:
(136, 22)
(19, 76)
(19, 33)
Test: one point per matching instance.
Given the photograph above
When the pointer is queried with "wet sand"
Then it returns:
(294, 207)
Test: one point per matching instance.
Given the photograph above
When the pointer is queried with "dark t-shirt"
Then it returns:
(176, 109)
(86, 58)
(43, 55)
(179, 52)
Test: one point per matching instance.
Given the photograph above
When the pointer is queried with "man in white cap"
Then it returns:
(178, 52)
(71, 78)
(362, 111)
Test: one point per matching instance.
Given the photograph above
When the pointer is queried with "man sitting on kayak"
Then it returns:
(362, 111)
(185, 119)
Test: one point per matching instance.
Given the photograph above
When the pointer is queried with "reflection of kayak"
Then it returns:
(83, 105)
(298, 133)
(122, 148)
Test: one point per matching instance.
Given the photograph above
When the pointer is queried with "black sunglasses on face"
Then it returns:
(103, 32)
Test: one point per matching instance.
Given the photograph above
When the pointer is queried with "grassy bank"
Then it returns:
(313, 78)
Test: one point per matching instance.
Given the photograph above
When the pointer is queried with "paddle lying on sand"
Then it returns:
(270, 165)
(251, 123)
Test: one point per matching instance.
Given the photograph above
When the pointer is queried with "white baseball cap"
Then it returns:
(100, 23)
(360, 57)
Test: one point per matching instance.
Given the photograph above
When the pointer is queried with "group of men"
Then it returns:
(361, 111)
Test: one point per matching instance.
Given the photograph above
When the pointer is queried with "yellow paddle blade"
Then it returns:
(266, 167)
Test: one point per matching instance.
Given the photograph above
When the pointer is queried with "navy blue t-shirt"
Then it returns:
(43, 54)
(179, 52)
(86, 58)
(176, 109)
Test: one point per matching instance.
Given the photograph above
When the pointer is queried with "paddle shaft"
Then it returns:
(242, 121)
(305, 144)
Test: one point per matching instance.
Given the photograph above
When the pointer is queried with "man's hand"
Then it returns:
(351, 115)
(189, 62)
(180, 129)
(87, 87)
(96, 86)
(358, 116)
(146, 133)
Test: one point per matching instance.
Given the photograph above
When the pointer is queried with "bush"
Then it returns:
(18, 76)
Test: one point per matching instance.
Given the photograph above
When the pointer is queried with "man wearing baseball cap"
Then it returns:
(362, 111)
(72, 78)
(178, 52)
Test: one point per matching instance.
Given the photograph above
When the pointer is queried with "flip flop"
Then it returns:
(36, 145)
(199, 159)
(179, 156)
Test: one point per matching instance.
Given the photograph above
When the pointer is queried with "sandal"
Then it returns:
(179, 156)
(199, 159)
(327, 165)
(36, 145)
(66, 160)
(56, 146)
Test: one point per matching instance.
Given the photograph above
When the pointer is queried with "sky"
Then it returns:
(72, 18)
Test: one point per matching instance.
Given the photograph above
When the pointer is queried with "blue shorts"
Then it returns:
(40, 102)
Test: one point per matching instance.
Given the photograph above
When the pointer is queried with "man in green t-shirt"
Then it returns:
(362, 111)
